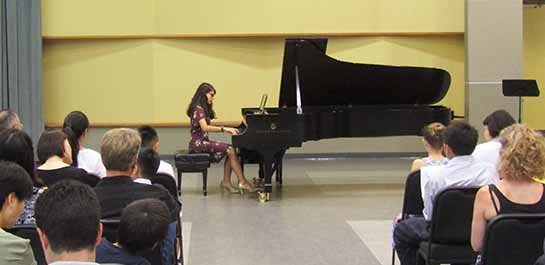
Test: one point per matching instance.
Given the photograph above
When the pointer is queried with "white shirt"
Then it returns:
(488, 152)
(91, 161)
(460, 172)
(165, 168)
(143, 181)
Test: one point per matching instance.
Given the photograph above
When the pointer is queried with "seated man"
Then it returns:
(15, 188)
(143, 226)
(68, 220)
(461, 171)
(148, 162)
(119, 150)
(150, 139)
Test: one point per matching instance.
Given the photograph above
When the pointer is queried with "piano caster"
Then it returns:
(264, 196)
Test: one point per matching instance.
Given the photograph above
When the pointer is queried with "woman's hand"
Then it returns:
(232, 131)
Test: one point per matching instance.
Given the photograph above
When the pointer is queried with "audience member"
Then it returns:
(150, 139)
(9, 120)
(143, 226)
(16, 146)
(148, 163)
(462, 170)
(522, 158)
(119, 150)
(68, 223)
(15, 188)
(493, 124)
(432, 139)
(76, 125)
(55, 153)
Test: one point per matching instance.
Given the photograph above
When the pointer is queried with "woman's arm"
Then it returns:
(478, 226)
(212, 128)
(417, 164)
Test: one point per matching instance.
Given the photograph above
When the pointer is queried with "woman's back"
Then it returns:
(506, 197)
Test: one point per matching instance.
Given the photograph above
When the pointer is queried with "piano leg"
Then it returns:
(267, 164)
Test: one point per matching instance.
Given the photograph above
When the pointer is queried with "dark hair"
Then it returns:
(143, 224)
(7, 119)
(75, 124)
(14, 179)
(199, 99)
(51, 143)
(433, 134)
(148, 162)
(68, 213)
(461, 138)
(498, 120)
(16, 146)
(148, 135)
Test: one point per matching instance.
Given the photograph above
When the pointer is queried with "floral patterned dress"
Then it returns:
(199, 139)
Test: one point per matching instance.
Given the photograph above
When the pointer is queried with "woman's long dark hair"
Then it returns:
(199, 99)
(74, 126)
(16, 146)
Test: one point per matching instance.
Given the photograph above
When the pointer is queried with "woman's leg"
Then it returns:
(235, 166)
(227, 172)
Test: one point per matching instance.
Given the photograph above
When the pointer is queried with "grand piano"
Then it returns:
(322, 98)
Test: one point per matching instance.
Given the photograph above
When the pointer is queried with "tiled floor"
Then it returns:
(328, 212)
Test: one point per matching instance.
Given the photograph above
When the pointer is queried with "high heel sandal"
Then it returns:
(230, 189)
(246, 188)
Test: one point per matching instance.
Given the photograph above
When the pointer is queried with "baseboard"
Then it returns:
(337, 155)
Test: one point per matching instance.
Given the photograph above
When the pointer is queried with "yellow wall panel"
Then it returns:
(534, 64)
(148, 17)
(135, 81)
(111, 81)
(248, 16)
(97, 17)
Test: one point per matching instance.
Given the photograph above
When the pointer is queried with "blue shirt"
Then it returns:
(108, 253)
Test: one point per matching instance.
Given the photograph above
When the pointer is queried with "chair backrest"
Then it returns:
(514, 239)
(29, 232)
(412, 198)
(167, 181)
(109, 229)
(452, 216)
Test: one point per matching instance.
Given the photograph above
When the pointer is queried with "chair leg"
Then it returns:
(181, 238)
(204, 179)
(393, 256)
(179, 183)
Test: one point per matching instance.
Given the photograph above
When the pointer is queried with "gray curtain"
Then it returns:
(21, 62)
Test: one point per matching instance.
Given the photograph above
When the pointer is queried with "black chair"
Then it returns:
(29, 232)
(450, 233)
(192, 162)
(413, 205)
(167, 182)
(514, 239)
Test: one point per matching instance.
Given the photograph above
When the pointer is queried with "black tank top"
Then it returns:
(507, 206)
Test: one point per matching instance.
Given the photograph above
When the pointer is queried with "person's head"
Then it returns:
(16, 146)
(148, 162)
(76, 127)
(204, 97)
(433, 136)
(68, 220)
(119, 149)
(523, 153)
(144, 223)
(15, 188)
(54, 143)
(460, 139)
(149, 137)
(10, 120)
(495, 122)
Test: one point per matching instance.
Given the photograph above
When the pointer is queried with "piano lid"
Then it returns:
(329, 82)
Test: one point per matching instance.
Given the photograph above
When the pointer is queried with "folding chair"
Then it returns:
(514, 239)
(450, 233)
(29, 232)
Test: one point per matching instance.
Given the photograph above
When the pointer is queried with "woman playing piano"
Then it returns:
(200, 113)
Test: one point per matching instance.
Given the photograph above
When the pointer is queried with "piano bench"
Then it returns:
(192, 162)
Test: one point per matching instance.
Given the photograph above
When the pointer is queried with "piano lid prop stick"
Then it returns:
(298, 91)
